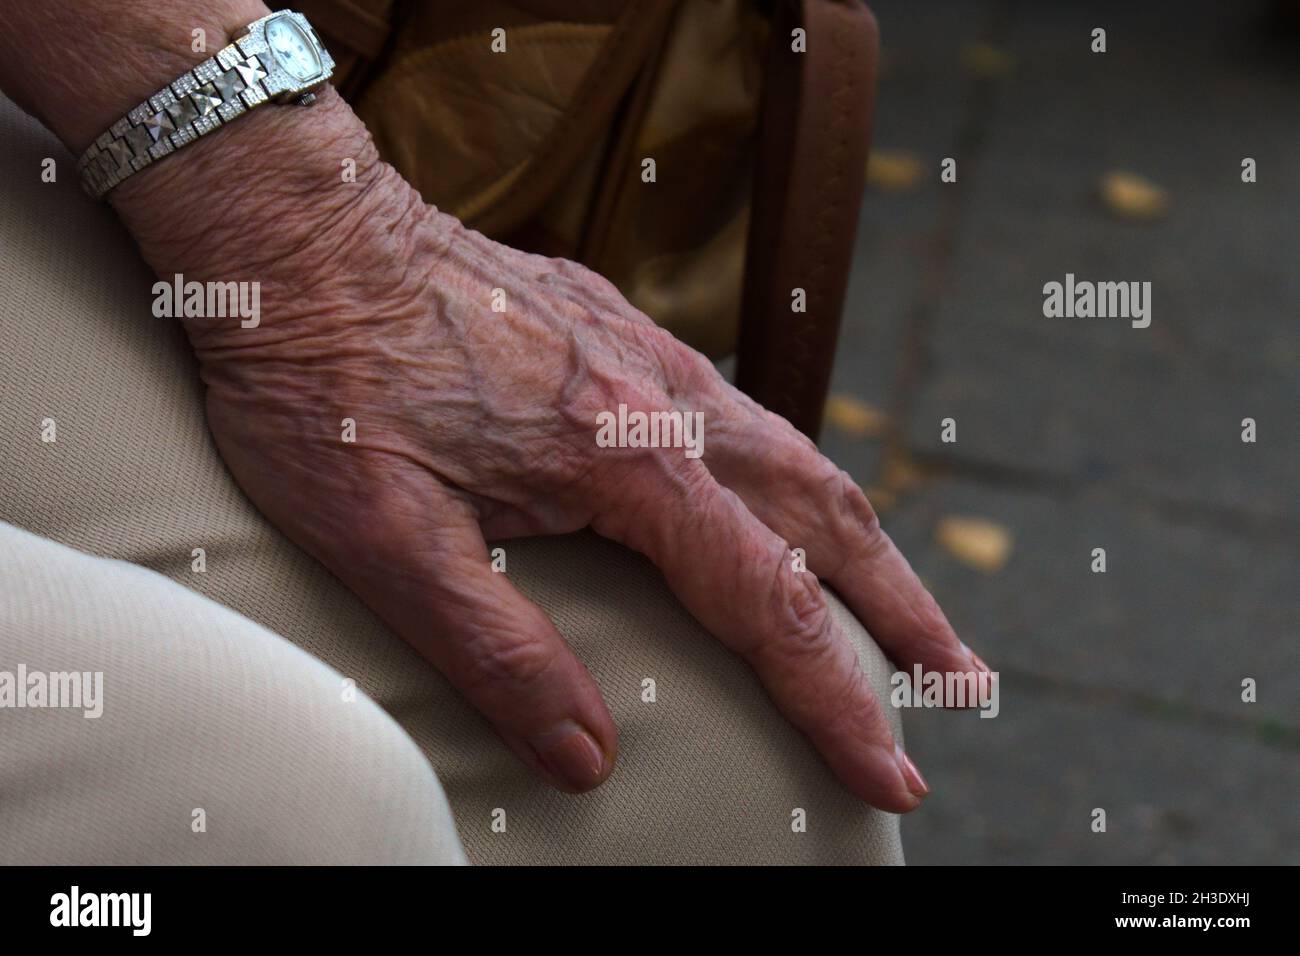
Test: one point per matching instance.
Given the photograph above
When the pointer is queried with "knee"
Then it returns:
(212, 739)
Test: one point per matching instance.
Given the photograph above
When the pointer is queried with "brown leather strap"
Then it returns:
(813, 142)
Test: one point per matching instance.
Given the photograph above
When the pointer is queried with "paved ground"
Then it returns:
(1121, 690)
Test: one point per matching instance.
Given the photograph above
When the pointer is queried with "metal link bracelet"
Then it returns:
(279, 59)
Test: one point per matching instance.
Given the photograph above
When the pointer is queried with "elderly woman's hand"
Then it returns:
(476, 378)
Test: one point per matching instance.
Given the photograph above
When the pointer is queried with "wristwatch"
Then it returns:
(277, 59)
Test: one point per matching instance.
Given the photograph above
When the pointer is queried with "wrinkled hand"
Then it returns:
(473, 425)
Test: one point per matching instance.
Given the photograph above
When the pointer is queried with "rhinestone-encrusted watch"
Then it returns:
(278, 59)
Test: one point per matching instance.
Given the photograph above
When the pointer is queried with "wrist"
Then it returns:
(79, 65)
(279, 196)
(283, 196)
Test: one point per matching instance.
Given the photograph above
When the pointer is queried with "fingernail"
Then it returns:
(977, 661)
(915, 782)
(572, 755)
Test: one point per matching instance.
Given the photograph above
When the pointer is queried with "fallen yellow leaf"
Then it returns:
(984, 59)
(1130, 196)
(976, 542)
(893, 170)
(855, 417)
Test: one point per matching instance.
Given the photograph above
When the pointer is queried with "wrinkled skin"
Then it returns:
(475, 425)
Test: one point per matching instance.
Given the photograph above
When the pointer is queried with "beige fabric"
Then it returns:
(709, 773)
(204, 738)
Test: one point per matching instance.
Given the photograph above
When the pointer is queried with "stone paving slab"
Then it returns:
(1042, 402)
(920, 106)
(1020, 788)
(1221, 266)
(1181, 615)
(1094, 398)
(1120, 690)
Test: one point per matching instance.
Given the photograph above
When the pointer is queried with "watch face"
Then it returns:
(292, 49)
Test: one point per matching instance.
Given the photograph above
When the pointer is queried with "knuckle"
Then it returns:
(507, 660)
(856, 515)
(827, 687)
(583, 400)
(802, 614)
(586, 403)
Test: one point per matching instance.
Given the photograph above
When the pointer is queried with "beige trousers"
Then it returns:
(242, 710)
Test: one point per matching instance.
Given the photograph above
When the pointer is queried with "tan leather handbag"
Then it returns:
(533, 121)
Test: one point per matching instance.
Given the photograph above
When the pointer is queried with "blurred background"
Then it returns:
(1120, 690)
